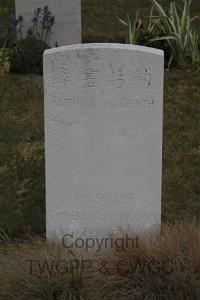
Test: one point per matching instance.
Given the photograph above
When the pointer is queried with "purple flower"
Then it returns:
(46, 9)
(30, 32)
(20, 19)
(12, 23)
(52, 20)
(35, 20)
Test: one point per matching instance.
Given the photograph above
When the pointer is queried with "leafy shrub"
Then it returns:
(133, 28)
(177, 30)
(173, 32)
(27, 50)
(27, 56)
(138, 32)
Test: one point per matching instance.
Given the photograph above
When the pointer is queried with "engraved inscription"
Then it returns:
(104, 197)
(123, 103)
(85, 215)
(115, 76)
(63, 75)
(101, 215)
(127, 103)
(142, 78)
(64, 123)
(89, 77)
(86, 231)
(76, 103)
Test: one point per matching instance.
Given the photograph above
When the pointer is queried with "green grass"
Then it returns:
(21, 154)
(22, 184)
(181, 156)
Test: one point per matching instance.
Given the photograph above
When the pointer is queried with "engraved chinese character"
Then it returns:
(89, 77)
(127, 103)
(63, 75)
(148, 103)
(90, 103)
(116, 76)
(142, 78)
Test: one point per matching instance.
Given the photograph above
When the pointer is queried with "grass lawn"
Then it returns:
(22, 184)
(21, 154)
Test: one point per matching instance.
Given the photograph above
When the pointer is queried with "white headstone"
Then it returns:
(103, 124)
(67, 27)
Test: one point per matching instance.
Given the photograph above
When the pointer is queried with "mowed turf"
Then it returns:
(22, 180)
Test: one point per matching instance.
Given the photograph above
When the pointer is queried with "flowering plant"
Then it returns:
(43, 22)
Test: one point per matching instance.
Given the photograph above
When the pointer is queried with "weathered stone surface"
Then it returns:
(103, 124)
(67, 27)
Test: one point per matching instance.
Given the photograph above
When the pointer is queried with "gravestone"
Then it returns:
(103, 128)
(67, 27)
